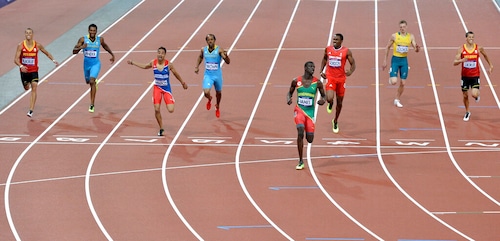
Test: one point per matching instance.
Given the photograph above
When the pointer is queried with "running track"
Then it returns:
(417, 173)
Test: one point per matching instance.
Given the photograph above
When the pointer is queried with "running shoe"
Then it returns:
(209, 104)
(467, 116)
(91, 108)
(30, 113)
(160, 133)
(478, 98)
(397, 103)
(300, 166)
(217, 113)
(335, 127)
(329, 108)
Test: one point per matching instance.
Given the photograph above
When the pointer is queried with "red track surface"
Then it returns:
(421, 174)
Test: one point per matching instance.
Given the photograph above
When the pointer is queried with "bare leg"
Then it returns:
(34, 87)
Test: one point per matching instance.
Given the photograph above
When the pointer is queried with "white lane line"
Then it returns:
(249, 123)
(309, 145)
(16, 164)
(480, 61)
(382, 163)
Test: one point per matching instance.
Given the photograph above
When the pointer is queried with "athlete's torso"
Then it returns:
(162, 78)
(336, 62)
(212, 61)
(29, 57)
(401, 45)
(91, 52)
(470, 68)
(306, 96)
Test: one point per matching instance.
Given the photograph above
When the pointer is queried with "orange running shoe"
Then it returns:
(217, 113)
(209, 104)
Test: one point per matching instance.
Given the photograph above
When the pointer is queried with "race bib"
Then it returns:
(28, 61)
(402, 49)
(211, 66)
(470, 64)
(304, 101)
(90, 53)
(161, 82)
(334, 62)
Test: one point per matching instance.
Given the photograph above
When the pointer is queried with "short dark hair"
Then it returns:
(164, 49)
(340, 36)
(467, 34)
(308, 62)
(210, 34)
(403, 21)
(92, 25)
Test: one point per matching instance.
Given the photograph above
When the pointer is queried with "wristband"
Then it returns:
(20, 66)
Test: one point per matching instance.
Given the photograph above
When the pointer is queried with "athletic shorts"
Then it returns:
(399, 64)
(469, 82)
(158, 94)
(27, 78)
(91, 71)
(336, 85)
(301, 119)
(209, 81)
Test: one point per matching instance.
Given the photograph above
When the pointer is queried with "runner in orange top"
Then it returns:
(468, 57)
(334, 59)
(27, 59)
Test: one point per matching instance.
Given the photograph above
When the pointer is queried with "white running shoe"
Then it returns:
(478, 98)
(397, 103)
(466, 116)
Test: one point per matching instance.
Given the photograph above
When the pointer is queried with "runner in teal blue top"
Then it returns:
(213, 55)
(91, 45)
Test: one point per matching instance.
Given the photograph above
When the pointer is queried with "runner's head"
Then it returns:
(162, 51)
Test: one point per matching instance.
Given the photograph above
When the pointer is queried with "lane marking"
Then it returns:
(244, 227)
(279, 188)
(18, 161)
(309, 145)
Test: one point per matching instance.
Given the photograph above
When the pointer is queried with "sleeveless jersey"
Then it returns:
(162, 78)
(212, 61)
(91, 52)
(470, 68)
(29, 57)
(401, 45)
(336, 62)
(306, 96)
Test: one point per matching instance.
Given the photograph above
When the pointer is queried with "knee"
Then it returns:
(310, 138)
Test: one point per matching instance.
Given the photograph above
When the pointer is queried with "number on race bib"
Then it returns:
(90, 54)
(334, 62)
(28, 61)
(402, 49)
(211, 66)
(304, 101)
(470, 64)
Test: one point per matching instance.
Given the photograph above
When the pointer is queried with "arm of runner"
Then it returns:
(290, 92)
(41, 48)
(106, 47)
(198, 62)
(172, 69)
(79, 46)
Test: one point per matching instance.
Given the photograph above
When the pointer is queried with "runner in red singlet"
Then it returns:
(27, 59)
(334, 59)
(468, 56)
